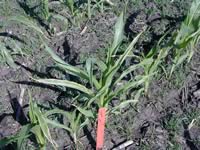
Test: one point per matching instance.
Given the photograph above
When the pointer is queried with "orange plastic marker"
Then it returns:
(101, 128)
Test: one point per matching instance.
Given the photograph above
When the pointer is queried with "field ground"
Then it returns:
(167, 117)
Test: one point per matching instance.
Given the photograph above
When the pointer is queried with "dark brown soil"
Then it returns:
(160, 121)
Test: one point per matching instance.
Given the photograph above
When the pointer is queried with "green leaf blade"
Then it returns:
(66, 83)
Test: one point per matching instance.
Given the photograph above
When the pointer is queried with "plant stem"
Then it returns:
(89, 9)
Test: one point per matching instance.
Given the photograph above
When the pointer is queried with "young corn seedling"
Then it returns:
(36, 126)
(70, 4)
(77, 11)
(99, 5)
(103, 86)
(6, 56)
(17, 141)
(9, 48)
(77, 119)
(188, 36)
(80, 9)
(45, 9)
(40, 127)
(182, 44)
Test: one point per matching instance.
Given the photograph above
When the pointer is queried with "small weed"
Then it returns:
(173, 127)
(192, 118)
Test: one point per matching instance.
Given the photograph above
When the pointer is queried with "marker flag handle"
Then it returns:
(101, 128)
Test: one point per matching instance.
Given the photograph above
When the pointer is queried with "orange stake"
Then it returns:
(101, 128)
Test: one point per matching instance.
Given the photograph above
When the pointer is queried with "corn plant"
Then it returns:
(45, 9)
(70, 4)
(40, 127)
(8, 48)
(89, 9)
(39, 122)
(6, 56)
(187, 37)
(85, 7)
(36, 126)
(17, 140)
(27, 21)
(105, 85)
(102, 89)
(181, 45)
(76, 118)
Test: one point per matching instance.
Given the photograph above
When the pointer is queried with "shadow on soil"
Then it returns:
(14, 37)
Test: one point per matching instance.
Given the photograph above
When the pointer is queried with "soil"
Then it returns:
(161, 120)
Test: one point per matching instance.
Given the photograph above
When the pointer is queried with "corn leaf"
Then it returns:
(123, 105)
(8, 140)
(45, 9)
(55, 111)
(32, 116)
(87, 113)
(178, 60)
(8, 57)
(120, 61)
(19, 137)
(24, 20)
(66, 83)
(36, 130)
(43, 125)
(119, 33)
(194, 12)
(134, 67)
(89, 71)
(99, 93)
(70, 4)
(68, 68)
(23, 134)
(82, 125)
(190, 27)
(58, 125)
(139, 80)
